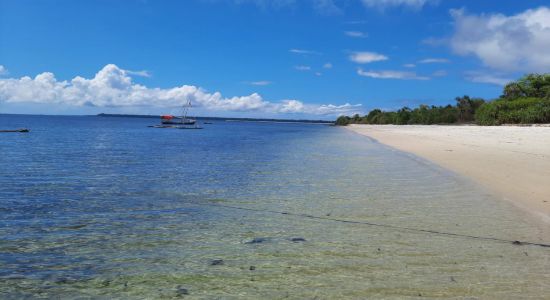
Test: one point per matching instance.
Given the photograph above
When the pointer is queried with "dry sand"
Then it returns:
(511, 161)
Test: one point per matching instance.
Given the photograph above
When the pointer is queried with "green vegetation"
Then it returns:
(525, 101)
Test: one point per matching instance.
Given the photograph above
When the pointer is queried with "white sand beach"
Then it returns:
(511, 161)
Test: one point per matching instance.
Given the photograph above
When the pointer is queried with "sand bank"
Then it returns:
(511, 161)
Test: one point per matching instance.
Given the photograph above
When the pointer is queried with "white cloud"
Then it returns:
(291, 106)
(327, 66)
(337, 109)
(439, 73)
(259, 83)
(388, 74)
(3, 70)
(324, 7)
(409, 65)
(356, 22)
(485, 77)
(366, 57)
(113, 87)
(304, 52)
(142, 73)
(435, 42)
(356, 34)
(302, 68)
(383, 4)
(434, 61)
(508, 43)
(318, 74)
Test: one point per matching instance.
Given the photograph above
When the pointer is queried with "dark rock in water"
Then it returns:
(298, 239)
(517, 243)
(257, 241)
(182, 291)
(216, 262)
(453, 279)
(252, 268)
(75, 226)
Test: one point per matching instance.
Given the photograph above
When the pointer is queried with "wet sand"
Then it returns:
(511, 161)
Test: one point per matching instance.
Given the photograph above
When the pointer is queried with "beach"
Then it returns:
(513, 162)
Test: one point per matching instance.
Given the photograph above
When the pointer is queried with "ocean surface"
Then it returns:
(103, 208)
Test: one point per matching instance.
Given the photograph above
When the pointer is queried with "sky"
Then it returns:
(314, 59)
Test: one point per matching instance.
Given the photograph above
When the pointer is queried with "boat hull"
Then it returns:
(178, 121)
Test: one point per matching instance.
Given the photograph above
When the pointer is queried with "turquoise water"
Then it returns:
(108, 208)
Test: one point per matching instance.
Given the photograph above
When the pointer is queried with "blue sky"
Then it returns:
(263, 58)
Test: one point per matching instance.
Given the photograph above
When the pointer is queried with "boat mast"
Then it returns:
(185, 108)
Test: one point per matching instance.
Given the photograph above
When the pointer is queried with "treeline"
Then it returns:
(524, 101)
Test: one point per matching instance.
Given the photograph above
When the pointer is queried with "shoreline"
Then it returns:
(513, 162)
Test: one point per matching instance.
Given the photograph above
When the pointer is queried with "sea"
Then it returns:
(109, 208)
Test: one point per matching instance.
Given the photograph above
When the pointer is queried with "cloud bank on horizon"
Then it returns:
(113, 87)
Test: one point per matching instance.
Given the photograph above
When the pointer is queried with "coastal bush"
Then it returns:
(529, 86)
(525, 101)
(517, 111)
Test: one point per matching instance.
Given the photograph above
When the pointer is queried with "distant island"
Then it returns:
(225, 119)
(525, 101)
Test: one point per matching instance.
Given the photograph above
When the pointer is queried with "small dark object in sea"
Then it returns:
(252, 268)
(256, 241)
(16, 130)
(453, 279)
(182, 291)
(298, 239)
(208, 123)
(216, 262)
(75, 226)
(517, 243)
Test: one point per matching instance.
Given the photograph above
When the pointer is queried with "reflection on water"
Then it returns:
(105, 207)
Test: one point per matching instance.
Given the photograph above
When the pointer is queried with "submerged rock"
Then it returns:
(252, 268)
(216, 262)
(182, 291)
(257, 240)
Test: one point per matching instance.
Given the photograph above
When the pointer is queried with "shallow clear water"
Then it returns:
(108, 208)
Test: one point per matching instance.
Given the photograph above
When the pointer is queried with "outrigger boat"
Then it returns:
(173, 120)
(179, 122)
(183, 120)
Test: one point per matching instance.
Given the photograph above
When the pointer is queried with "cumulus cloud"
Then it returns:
(366, 57)
(434, 61)
(389, 74)
(327, 66)
(142, 73)
(439, 73)
(506, 43)
(259, 83)
(355, 34)
(383, 4)
(3, 70)
(113, 87)
(302, 68)
(304, 52)
(485, 77)
(324, 7)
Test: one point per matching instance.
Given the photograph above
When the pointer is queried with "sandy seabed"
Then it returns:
(511, 161)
